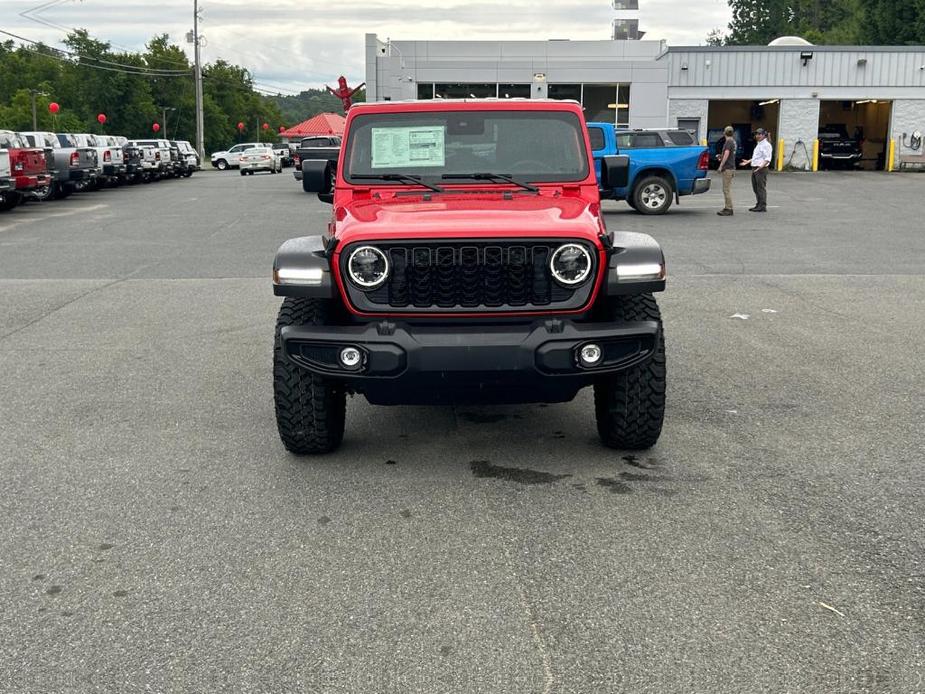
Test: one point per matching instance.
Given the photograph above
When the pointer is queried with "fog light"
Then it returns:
(350, 357)
(590, 355)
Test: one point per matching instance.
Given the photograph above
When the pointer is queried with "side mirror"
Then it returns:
(318, 177)
(615, 171)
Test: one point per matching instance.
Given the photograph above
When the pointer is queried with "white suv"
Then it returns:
(230, 159)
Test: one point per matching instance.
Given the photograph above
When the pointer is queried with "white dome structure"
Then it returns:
(790, 41)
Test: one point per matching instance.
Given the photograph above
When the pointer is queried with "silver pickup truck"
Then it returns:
(72, 167)
(110, 158)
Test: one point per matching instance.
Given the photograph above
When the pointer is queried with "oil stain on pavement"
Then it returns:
(483, 468)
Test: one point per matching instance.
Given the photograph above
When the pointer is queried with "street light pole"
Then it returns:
(35, 118)
(164, 110)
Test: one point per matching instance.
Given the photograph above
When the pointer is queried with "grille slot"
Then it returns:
(455, 276)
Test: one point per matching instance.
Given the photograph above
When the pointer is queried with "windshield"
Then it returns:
(833, 133)
(532, 146)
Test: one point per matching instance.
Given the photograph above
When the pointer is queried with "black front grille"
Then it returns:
(456, 276)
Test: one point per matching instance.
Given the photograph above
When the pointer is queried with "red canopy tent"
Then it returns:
(322, 124)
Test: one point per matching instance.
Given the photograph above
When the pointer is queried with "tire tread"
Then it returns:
(630, 406)
(310, 412)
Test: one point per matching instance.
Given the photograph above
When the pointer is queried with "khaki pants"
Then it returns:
(728, 175)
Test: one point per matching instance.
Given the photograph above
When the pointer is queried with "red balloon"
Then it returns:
(54, 107)
(266, 126)
(101, 118)
(156, 127)
(282, 128)
(240, 126)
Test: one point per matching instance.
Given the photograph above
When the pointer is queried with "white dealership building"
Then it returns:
(792, 89)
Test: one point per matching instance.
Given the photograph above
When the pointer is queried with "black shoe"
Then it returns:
(761, 209)
(754, 209)
(725, 213)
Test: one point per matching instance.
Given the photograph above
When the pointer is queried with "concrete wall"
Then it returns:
(798, 127)
(393, 72)
(689, 108)
(908, 116)
(648, 101)
(834, 72)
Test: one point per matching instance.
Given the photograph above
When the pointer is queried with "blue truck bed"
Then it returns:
(663, 165)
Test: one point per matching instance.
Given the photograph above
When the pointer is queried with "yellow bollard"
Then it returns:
(891, 156)
(780, 155)
(815, 155)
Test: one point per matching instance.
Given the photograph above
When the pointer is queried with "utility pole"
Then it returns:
(200, 122)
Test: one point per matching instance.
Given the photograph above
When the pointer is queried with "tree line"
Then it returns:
(311, 102)
(132, 89)
(825, 22)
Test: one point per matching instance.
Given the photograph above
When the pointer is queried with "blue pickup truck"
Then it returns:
(664, 165)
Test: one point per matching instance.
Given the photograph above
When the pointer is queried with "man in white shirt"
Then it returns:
(760, 162)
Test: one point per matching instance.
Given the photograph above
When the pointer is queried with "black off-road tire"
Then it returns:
(630, 406)
(653, 188)
(310, 411)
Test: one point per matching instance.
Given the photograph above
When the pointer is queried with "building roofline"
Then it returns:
(793, 49)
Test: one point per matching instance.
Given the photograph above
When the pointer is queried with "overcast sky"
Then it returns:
(295, 44)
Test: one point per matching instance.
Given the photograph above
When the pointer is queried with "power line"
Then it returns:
(97, 67)
(157, 72)
(28, 14)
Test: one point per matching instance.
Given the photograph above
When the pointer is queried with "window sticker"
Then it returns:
(415, 146)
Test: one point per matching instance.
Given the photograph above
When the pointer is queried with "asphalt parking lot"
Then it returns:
(155, 536)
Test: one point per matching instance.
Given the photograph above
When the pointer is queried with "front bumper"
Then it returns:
(517, 363)
(841, 157)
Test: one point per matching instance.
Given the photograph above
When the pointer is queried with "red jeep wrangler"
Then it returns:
(467, 261)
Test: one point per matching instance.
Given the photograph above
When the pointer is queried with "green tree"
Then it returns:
(893, 22)
(311, 102)
(758, 22)
(131, 88)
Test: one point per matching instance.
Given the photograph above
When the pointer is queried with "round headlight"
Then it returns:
(570, 264)
(368, 267)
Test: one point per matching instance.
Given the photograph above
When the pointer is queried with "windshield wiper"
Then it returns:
(485, 176)
(403, 178)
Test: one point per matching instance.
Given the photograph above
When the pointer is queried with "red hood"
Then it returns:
(470, 215)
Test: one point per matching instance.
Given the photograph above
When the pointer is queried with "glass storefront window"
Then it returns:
(514, 91)
(623, 106)
(599, 102)
(466, 91)
(426, 90)
(565, 91)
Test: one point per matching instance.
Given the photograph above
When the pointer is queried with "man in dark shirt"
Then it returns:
(727, 169)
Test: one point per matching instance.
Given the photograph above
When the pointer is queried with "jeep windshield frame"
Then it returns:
(541, 146)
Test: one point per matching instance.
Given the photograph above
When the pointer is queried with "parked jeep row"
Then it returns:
(41, 165)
